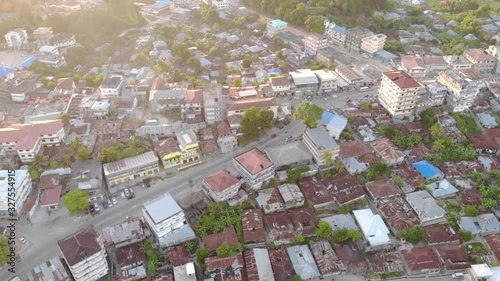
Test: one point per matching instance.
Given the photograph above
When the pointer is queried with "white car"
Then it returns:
(22, 240)
(114, 200)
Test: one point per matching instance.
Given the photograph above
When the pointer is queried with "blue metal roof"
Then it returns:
(162, 4)
(4, 70)
(28, 62)
(427, 170)
(326, 117)
(274, 70)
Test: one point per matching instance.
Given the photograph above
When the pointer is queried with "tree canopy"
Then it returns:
(343, 234)
(254, 121)
(119, 151)
(323, 229)
(309, 113)
(76, 201)
(413, 235)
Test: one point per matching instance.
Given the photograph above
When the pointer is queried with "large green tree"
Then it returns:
(76, 201)
(309, 113)
(323, 229)
(413, 235)
(4, 250)
(315, 24)
(343, 234)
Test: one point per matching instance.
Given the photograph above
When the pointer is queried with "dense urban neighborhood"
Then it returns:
(241, 140)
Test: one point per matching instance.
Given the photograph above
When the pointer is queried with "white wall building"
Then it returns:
(275, 26)
(85, 255)
(163, 215)
(112, 85)
(461, 91)
(255, 167)
(374, 43)
(21, 187)
(221, 185)
(398, 93)
(16, 38)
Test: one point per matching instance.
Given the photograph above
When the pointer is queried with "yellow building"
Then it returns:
(169, 152)
(131, 168)
(181, 152)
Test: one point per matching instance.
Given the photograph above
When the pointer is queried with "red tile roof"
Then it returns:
(478, 55)
(221, 180)
(315, 192)
(51, 196)
(340, 182)
(84, 241)
(410, 176)
(130, 255)
(26, 135)
(166, 146)
(470, 196)
(208, 147)
(326, 259)
(354, 149)
(482, 141)
(494, 133)
(253, 226)
(409, 62)
(494, 243)
(304, 220)
(437, 234)
(65, 84)
(421, 258)
(402, 79)
(454, 257)
(398, 213)
(254, 161)
(216, 263)
(194, 96)
(213, 241)
(246, 104)
(223, 129)
(280, 226)
(177, 255)
(382, 189)
(351, 256)
(281, 264)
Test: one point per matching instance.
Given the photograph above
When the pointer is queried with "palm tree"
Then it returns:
(339, 166)
(40, 162)
(438, 145)
(75, 143)
(436, 130)
(65, 160)
(327, 157)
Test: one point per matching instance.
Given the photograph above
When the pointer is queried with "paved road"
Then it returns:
(43, 235)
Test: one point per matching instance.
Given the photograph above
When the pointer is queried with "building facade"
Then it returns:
(189, 147)
(43, 36)
(85, 255)
(213, 104)
(254, 167)
(163, 215)
(221, 186)
(373, 44)
(16, 38)
(461, 92)
(21, 187)
(321, 144)
(275, 26)
(131, 168)
(398, 93)
(335, 32)
(313, 43)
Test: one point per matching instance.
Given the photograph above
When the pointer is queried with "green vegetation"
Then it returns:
(146, 248)
(201, 254)
(451, 152)
(387, 275)
(76, 201)
(488, 186)
(394, 46)
(428, 118)
(398, 181)
(342, 235)
(398, 138)
(471, 211)
(220, 216)
(299, 239)
(380, 169)
(225, 250)
(309, 113)
(476, 246)
(255, 121)
(119, 151)
(297, 277)
(83, 154)
(294, 175)
(4, 250)
(465, 235)
(466, 124)
(39, 164)
(413, 235)
(323, 229)
(315, 24)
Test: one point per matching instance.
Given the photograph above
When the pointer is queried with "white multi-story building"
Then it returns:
(85, 255)
(43, 36)
(313, 43)
(461, 91)
(16, 38)
(27, 139)
(163, 215)
(21, 187)
(112, 85)
(254, 167)
(335, 32)
(373, 44)
(213, 104)
(221, 185)
(481, 61)
(275, 26)
(219, 4)
(327, 80)
(281, 85)
(320, 144)
(398, 93)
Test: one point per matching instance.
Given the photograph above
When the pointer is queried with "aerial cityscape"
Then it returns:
(245, 140)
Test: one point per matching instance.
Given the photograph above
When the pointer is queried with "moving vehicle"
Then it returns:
(457, 275)
(364, 89)
(114, 200)
(110, 204)
(22, 240)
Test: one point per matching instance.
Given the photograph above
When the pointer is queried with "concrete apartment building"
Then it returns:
(319, 142)
(461, 91)
(304, 81)
(327, 80)
(131, 168)
(16, 38)
(221, 185)
(28, 139)
(112, 85)
(23, 187)
(213, 104)
(355, 35)
(275, 26)
(166, 220)
(398, 93)
(480, 60)
(85, 255)
(254, 167)
(190, 149)
(43, 36)
(373, 44)
(313, 43)
(219, 4)
(335, 32)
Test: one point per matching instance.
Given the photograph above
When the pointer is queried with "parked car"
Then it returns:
(96, 207)
(22, 240)
(114, 200)
(273, 135)
(110, 204)
(126, 192)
